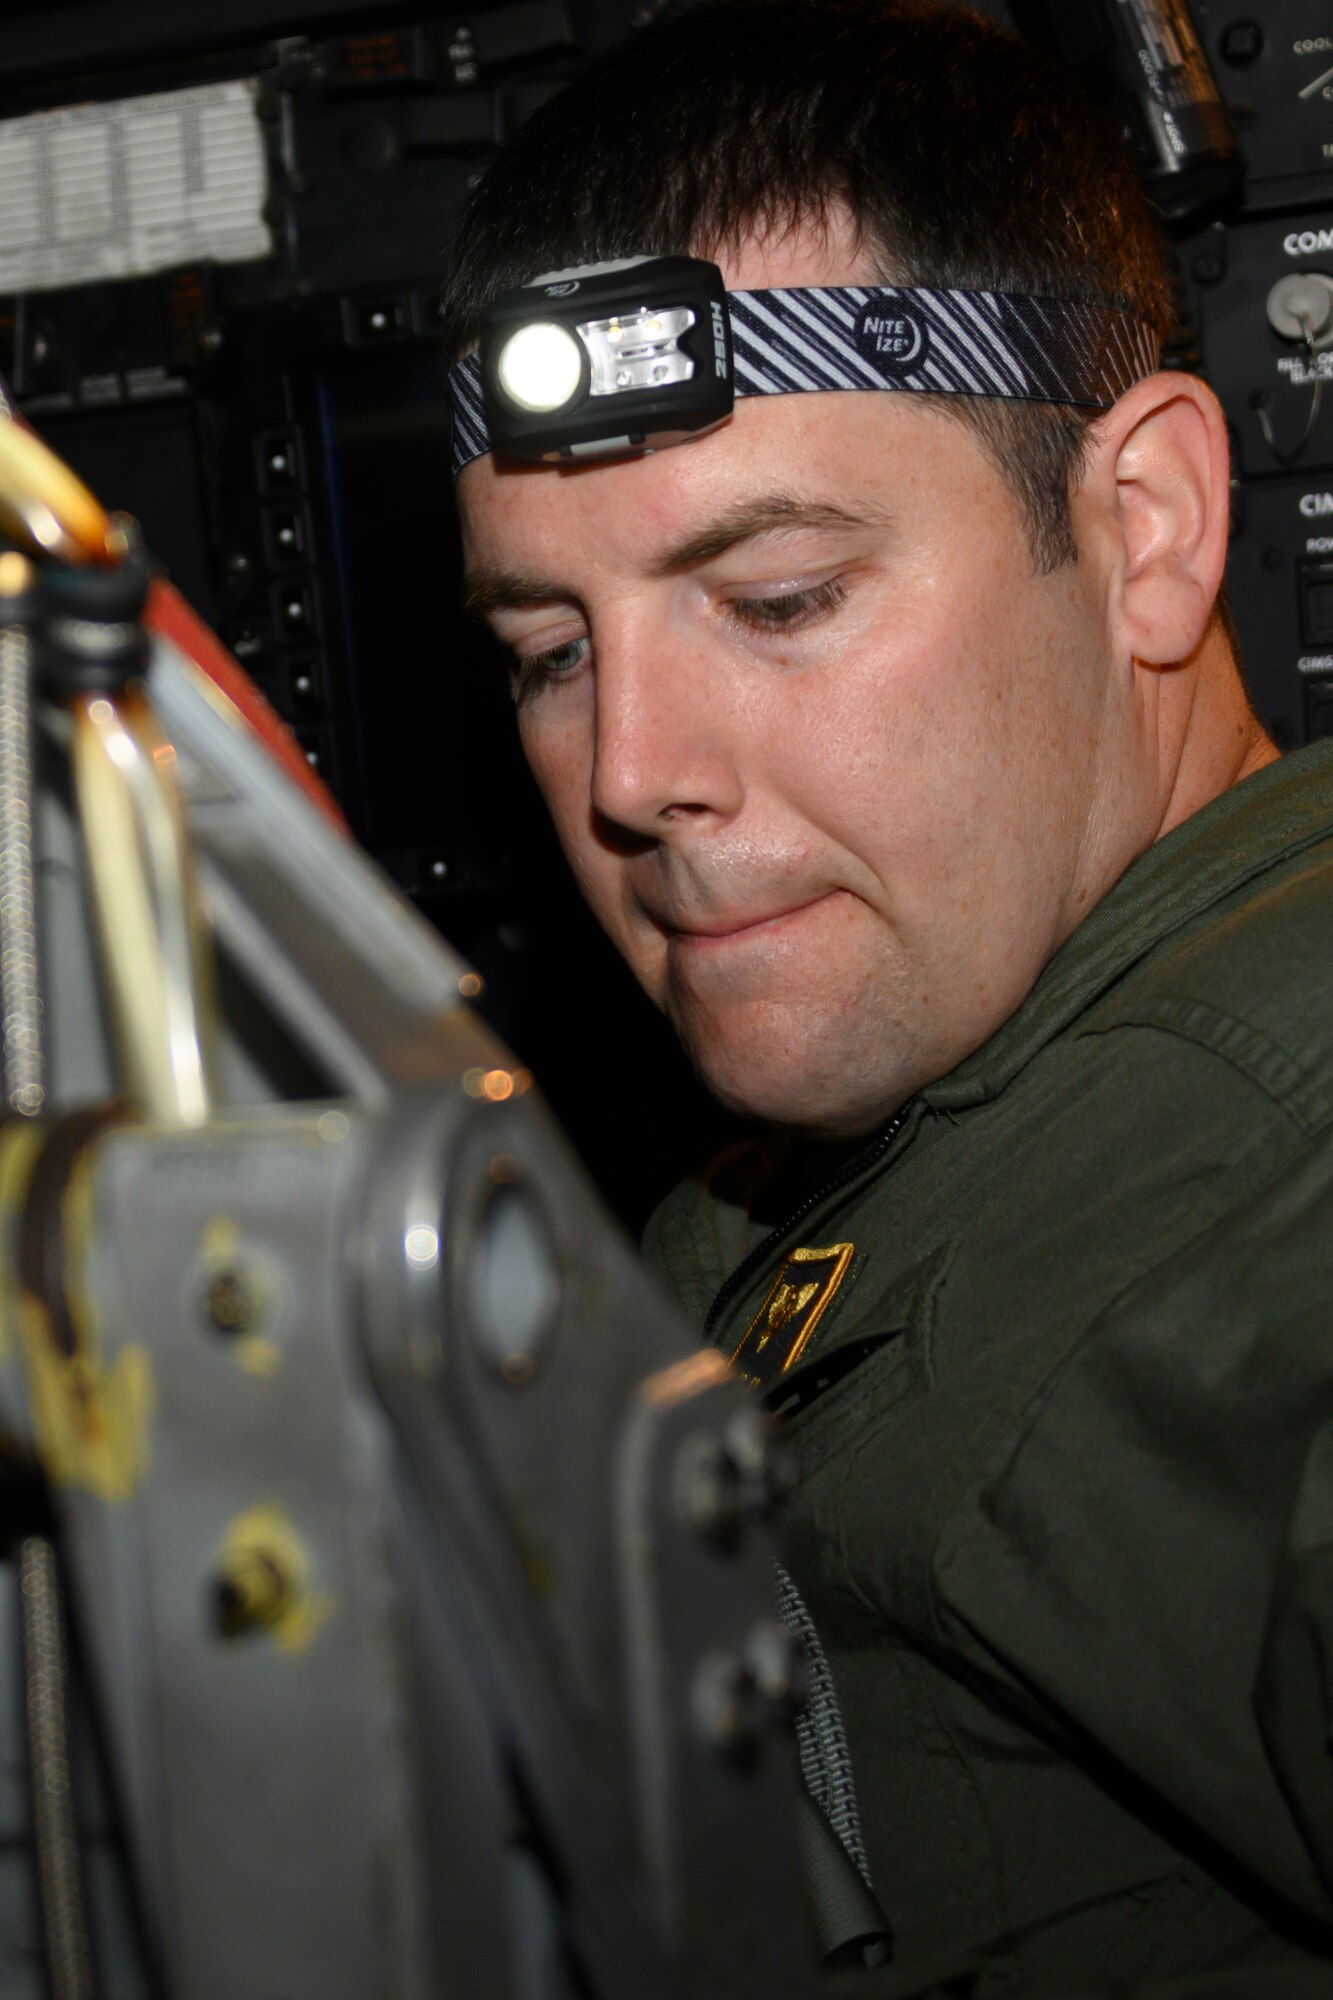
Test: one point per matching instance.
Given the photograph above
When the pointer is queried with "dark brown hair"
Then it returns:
(965, 157)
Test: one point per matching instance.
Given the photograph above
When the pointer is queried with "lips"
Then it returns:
(736, 925)
(732, 927)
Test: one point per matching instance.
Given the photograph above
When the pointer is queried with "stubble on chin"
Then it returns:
(830, 1070)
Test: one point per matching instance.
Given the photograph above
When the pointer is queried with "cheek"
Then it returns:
(872, 752)
(559, 755)
(923, 753)
(560, 758)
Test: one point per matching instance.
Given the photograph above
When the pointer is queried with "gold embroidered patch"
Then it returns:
(780, 1331)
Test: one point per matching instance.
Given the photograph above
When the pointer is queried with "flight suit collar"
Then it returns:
(1247, 830)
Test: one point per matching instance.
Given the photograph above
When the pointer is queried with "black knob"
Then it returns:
(1242, 42)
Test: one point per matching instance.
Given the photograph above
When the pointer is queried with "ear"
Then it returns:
(1156, 497)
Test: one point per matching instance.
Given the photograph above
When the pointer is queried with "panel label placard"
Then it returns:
(96, 191)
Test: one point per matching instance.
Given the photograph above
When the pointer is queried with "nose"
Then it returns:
(665, 755)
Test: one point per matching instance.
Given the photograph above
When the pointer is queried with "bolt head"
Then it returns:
(253, 1591)
(231, 1302)
(775, 1660)
(727, 1708)
(708, 1489)
(764, 1461)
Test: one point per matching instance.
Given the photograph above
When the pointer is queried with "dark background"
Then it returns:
(280, 429)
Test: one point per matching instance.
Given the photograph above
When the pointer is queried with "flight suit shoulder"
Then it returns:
(1252, 981)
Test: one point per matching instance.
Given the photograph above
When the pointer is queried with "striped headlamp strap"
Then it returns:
(660, 384)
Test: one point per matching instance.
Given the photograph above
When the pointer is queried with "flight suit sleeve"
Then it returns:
(1146, 1565)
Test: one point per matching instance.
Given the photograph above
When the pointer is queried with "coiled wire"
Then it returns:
(46, 1686)
(55, 1834)
(20, 981)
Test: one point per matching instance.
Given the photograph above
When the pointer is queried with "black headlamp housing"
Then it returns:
(600, 418)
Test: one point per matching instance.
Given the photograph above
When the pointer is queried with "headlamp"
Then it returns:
(608, 359)
(612, 359)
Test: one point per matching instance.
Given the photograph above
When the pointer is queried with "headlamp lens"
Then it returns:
(540, 366)
(638, 350)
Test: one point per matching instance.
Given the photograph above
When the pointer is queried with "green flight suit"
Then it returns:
(1064, 1425)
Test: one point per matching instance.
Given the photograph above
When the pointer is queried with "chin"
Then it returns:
(769, 1086)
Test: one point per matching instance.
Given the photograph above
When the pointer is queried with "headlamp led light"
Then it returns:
(618, 358)
(539, 367)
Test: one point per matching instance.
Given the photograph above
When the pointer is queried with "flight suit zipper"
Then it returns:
(756, 1258)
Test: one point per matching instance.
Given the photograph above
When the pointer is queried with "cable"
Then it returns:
(20, 985)
(55, 1828)
(60, 1889)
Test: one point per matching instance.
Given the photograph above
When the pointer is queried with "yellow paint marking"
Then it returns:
(90, 1422)
(265, 1535)
(19, 1147)
(91, 1419)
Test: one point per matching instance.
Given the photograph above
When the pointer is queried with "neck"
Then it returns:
(1191, 735)
(1220, 739)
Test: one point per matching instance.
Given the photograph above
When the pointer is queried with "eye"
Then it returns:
(789, 608)
(531, 672)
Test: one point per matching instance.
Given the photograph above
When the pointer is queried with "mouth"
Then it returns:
(740, 927)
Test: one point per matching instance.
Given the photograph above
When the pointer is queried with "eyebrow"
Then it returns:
(492, 588)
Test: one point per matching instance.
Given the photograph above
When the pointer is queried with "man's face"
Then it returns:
(830, 763)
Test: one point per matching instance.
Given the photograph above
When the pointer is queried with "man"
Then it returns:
(898, 741)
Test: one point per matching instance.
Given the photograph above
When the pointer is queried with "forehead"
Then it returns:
(891, 460)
